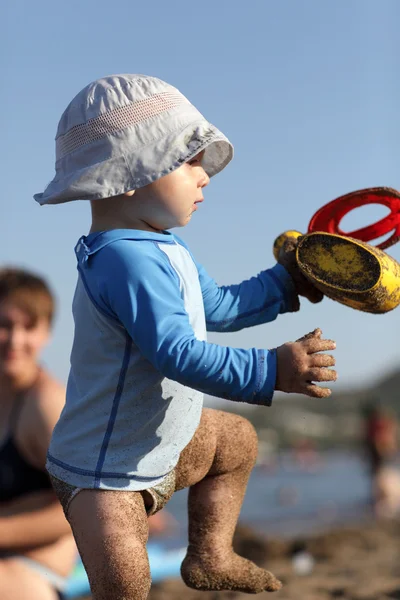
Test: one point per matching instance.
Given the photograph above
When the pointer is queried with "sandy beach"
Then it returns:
(357, 562)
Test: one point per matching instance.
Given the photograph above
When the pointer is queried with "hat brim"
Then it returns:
(114, 173)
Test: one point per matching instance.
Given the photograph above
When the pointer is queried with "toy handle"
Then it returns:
(280, 240)
(329, 216)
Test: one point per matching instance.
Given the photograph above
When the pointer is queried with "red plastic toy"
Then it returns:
(329, 216)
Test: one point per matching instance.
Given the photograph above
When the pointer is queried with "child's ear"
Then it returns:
(130, 193)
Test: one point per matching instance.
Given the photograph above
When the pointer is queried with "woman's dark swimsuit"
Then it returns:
(18, 478)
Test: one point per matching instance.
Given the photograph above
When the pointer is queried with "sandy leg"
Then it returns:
(216, 465)
(111, 532)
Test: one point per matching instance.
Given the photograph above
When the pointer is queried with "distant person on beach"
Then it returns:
(134, 429)
(381, 436)
(161, 524)
(381, 444)
(37, 550)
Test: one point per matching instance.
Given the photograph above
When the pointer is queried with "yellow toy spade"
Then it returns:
(345, 267)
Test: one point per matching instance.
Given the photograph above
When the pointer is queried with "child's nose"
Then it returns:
(204, 179)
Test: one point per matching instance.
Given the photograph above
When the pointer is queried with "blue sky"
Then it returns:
(306, 91)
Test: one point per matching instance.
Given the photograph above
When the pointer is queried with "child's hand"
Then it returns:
(287, 258)
(299, 364)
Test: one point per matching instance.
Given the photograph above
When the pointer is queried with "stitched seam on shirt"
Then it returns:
(104, 475)
(114, 410)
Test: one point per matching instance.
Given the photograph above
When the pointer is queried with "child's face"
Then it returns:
(172, 200)
(21, 339)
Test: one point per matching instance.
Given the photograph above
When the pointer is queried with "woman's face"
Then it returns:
(21, 339)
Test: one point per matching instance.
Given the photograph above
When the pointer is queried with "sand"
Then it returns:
(357, 562)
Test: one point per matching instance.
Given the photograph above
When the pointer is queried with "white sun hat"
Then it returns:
(123, 132)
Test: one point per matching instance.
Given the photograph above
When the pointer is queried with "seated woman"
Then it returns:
(37, 550)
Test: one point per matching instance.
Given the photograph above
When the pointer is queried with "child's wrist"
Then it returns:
(266, 375)
(291, 298)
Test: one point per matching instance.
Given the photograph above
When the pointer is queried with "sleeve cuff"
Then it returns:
(286, 285)
(266, 378)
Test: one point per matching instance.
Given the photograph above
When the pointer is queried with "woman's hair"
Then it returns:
(29, 292)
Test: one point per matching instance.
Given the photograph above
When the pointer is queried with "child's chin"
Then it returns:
(182, 222)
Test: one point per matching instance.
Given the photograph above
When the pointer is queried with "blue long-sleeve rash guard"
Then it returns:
(140, 359)
(133, 279)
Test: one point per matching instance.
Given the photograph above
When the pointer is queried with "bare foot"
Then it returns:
(209, 573)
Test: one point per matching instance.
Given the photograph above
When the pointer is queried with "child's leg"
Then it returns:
(111, 528)
(111, 532)
(216, 465)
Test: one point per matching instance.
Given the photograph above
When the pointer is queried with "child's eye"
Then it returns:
(197, 159)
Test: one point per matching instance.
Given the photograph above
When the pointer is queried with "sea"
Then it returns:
(290, 496)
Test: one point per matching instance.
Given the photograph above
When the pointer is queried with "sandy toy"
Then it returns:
(344, 266)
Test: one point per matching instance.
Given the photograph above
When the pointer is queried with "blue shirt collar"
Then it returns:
(89, 244)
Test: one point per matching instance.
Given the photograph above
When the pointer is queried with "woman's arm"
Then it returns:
(37, 518)
(33, 520)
